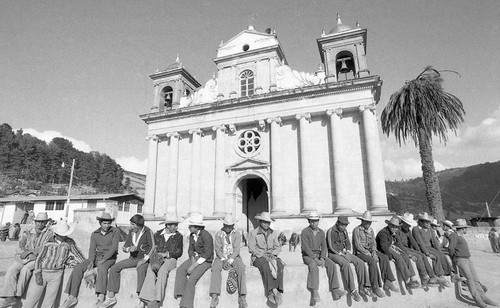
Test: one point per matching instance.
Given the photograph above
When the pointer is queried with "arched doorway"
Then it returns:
(253, 198)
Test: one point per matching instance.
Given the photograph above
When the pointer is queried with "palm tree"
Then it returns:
(419, 110)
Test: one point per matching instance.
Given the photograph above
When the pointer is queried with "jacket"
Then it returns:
(262, 243)
(174, 244)
(145, 244)
(203, 247)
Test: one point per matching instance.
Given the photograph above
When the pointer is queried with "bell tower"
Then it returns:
(171, 85)
(343, 52)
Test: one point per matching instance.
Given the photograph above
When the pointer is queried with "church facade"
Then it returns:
(260, 136)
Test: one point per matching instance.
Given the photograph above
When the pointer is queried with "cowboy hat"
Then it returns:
(408, 218)
(434, 223)
(195, 219)
(461, 223)
(170, 218)
(448, 223)
(424, 216)
(313, 215)
(62, 228)
(367, 216)
(229, 220)
(343, 220)
(105, 217)
(265, 216)
(42, 216)
(395, 221)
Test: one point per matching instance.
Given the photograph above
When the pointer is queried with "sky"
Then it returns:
(80, 69)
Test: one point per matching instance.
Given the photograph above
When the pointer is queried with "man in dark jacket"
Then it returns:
(102, 254)
(201, 256)
(389, 243)
(168, 242)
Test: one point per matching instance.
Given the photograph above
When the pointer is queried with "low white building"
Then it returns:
(124, 206)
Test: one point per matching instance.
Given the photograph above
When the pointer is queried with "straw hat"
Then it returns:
(434, 223)
(265, 216)
(395, 221)
(408, 218)
(313, 215)
(424, 216)
(62, 228)
(448, 223)
(42, 216)
(105, 217)
(461, 223)
(367, 216)
(229, 219)
(171, 218)
(195, 219)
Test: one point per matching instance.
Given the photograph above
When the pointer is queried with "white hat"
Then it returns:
(313, 215)
(229, 220)
(42, 216)
(448, 223)
(408, 218)
(424, 216)
(62, 228)
(195, 219)
(461, 223)
(265, 216)
(171, 218)
(367, 216)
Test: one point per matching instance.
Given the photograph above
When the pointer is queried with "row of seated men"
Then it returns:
(46, 252)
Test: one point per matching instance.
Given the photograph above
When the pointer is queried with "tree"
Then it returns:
(419, 110)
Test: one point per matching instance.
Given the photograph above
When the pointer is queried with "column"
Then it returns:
(149, 198)
(278, 189)
(194, 190)
(172, 173)
(219, 178)
(340, 169)
(306, 161)
(373, 160)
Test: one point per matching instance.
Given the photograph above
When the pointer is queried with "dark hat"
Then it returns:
(394, 221)
(343, 220)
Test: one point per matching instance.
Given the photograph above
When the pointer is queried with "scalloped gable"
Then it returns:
(254, 39)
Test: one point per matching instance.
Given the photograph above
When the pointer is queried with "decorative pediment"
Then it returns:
(247, 40)
(248, 164)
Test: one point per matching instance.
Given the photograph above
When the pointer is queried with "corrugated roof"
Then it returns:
(57, 198)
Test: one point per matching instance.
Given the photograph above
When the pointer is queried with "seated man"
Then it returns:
(429, 245)
(365, 248)
(314, 255)
(264, 246)
(102, 254)
(201, 256)
(227, 251)
(50, 264)
(460, 254)
(140, 245)
(389, 243)
(169, 245)
(19, 273)
(425, 271)
(339, 251)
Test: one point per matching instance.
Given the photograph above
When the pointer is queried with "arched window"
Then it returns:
(167, 97)
(247, 83)
(345, 66)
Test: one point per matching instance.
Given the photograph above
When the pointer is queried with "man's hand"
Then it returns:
(225, 265)
(375, 256)
(31, 257)
(191, 268)
(90, 265)
(24, 254)
(320, 262)
(38, 278)
(132, 248)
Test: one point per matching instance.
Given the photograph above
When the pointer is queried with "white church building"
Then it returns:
(260, 136)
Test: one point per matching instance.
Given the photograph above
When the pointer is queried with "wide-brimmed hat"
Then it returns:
(448, 223)
(394, 221)
(105, 217)
(62, 228)
(367, 216)
(170, 218)
(461, 223)
(265, 216)
(42, 216)
(343, 220)
(435, 223)
(195, 219)
(408, 218)
(424, 216)
(313, 215)
(229, 220)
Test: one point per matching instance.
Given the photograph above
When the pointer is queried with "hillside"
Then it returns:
(136, 182)
(464, 192)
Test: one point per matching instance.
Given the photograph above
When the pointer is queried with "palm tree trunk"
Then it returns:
(431, 181)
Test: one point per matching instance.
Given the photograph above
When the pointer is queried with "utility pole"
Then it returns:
(487, 209)
(66, 206)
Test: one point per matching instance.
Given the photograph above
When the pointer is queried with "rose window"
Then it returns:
(249, 142)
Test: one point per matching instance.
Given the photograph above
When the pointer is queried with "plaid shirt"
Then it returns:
(363, 240)
(33, 241)
(57, 256)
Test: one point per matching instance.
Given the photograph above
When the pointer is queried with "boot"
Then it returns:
(215, 301)
(242, 301)
(388, 285)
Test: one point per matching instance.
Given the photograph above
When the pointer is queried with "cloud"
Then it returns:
(48, 135)
(133, 164)
(472, 145)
